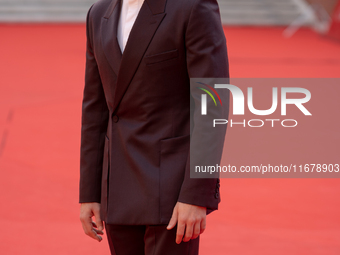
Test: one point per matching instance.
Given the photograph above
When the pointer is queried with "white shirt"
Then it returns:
(128, 15)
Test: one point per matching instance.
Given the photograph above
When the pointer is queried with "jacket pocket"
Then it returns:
(173, 159)
(161, 57)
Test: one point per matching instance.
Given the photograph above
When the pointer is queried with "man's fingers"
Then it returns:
(190, 221)
(203, 226)
(189, 229)
(172, 223)
(95, 235)
(99, 222)
(89, 230)
(92, 229)
(98, 232)
(87, 224)
(197, 230)
(180, 231)
(173, 220)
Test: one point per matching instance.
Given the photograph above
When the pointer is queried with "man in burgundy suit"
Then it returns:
(135, 171)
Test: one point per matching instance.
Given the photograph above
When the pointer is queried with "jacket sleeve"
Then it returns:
(94, 125)
(206, 58)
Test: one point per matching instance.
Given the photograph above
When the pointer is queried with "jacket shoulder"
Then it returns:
(99, 8)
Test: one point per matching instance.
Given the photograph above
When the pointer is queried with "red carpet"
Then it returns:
(42, 70)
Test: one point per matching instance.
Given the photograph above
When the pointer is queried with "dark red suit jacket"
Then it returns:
(135, 134)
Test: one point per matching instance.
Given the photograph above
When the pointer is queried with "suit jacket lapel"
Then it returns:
(146, 24)
(109, 40)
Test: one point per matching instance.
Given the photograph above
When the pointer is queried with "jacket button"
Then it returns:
(217, 195)
(115, 118)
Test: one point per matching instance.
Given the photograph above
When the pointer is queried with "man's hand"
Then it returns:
(190, 219)
(92, 229)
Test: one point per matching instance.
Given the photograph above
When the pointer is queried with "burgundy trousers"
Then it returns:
(147, 240)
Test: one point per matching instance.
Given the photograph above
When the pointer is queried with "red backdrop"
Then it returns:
(334, 30)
